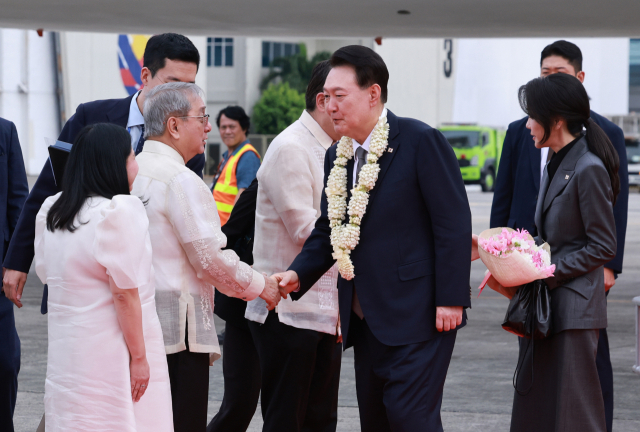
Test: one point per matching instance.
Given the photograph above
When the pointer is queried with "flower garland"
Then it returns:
(345, 237)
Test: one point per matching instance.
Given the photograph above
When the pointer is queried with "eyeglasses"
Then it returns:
(204, 119)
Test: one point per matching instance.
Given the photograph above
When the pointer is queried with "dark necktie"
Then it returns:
(361, 154)
(140, 144)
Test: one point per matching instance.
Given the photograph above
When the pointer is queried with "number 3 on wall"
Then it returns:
(448, 63)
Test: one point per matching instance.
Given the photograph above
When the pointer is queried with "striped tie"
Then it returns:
(141, 141)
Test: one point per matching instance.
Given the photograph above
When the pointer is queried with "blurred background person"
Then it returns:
(298, 346)
(518, 183)
(13, 192)
(557, 386)
(239, 164)
(103, 371)
(187, 242)
(240, 365)
(168, 57)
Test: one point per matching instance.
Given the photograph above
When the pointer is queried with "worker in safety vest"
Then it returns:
(239, 163)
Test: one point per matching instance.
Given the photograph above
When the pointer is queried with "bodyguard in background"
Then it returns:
(518, 183)
(168, 57)
(13, 192)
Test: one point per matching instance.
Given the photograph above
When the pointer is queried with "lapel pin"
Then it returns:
(566, 177)
(390, 150)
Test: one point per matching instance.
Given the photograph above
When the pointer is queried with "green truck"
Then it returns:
(478, 149)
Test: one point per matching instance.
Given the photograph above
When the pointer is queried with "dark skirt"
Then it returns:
(565, 392)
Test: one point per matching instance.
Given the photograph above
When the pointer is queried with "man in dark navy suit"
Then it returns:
(168, 57)
(13, 192)
(518, 182)
(402, 309)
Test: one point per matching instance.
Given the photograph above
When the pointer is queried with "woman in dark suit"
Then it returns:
(574, 214)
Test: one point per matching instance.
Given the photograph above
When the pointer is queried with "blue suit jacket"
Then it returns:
(21, 251)
(13, 182)
(415, 242)
(518, 183)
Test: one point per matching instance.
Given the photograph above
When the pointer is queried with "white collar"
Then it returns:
(316, 130)
(151, 146)
(365, 144)
(135, 116)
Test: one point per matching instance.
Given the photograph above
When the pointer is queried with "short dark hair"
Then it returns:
(235, 113)
(369, 66)
(170, 46)
(567, 50)
(316, 84)
(97, 165)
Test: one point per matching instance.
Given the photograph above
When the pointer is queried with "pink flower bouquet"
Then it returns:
(513, 258)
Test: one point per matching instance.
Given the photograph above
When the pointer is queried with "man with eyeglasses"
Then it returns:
(187, 247)
(168, 57)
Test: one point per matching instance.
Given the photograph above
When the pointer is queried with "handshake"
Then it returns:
(278, 286)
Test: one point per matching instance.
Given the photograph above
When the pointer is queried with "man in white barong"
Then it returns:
(297, 343)
(187, 247)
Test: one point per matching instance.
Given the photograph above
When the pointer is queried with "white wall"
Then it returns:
(27, 91)
(418, 87)
(490, 71)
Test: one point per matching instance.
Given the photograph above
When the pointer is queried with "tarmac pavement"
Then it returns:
(478, 391)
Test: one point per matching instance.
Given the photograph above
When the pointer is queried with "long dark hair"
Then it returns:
(97, 165)
(562, 96)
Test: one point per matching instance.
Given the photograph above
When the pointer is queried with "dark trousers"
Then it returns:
(241, 370)
(399, 388)
(189, 376)
(9, 364)
(605, 373)
(300, 377)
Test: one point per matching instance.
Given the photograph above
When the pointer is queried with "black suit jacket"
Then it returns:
(13, 182)
(21, 252)
(518, 183)
(239, 230)
(414, 251)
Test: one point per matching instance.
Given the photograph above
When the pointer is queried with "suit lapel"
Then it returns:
(541, 195)
(387, 157)
(565, 172)
(535, 160)
(119, 114)
(350, 165)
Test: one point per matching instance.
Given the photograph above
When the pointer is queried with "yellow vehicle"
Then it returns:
(478, 149)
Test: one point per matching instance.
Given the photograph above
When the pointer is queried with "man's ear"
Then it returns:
(580, 76)
(145, 76)
(374, 95)
(320, 102)
(172, 127)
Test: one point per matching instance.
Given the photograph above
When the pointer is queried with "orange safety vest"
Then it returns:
(226, 189)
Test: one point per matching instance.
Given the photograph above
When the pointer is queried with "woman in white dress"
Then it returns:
(107, 368)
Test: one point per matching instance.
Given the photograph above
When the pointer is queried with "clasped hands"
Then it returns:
(447, 317)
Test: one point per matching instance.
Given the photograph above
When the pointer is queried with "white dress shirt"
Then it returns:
(186, 238)
(290, 184)
(135, 122)
(365, 145)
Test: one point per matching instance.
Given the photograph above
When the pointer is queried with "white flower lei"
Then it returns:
(345, 237)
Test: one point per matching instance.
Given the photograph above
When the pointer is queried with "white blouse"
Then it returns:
(187, 250)
(290, 183)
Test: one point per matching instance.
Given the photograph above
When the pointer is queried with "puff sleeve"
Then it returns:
(122, 244)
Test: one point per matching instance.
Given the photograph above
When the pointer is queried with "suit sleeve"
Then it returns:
(445, 196)
(620, 210)
(316, 256)
(596, 210)
(243, 216)
(18, 186)
(20, 253)
(503, 189)
(196, 164)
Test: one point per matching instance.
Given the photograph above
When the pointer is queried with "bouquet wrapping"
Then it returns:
(513, 258)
